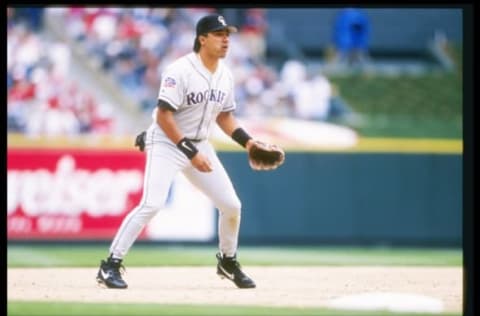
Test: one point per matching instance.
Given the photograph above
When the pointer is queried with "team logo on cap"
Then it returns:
(222, 20)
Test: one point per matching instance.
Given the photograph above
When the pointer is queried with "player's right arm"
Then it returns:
(167, 123)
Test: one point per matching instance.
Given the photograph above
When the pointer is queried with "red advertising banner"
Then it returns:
(71, 194)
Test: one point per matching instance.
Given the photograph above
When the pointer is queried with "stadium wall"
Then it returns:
(315, 197)
(355, 198)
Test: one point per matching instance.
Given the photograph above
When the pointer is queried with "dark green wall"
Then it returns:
(352, 198)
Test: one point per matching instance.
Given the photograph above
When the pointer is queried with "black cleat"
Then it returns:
(109, 274)
(230, 268)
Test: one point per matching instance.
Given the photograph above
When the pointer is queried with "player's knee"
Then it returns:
(147, 212)
(238, 206)
(232, 206)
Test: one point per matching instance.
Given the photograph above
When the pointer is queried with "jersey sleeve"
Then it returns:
(171, 88)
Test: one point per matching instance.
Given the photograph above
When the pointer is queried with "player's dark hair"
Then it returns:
(196, 45)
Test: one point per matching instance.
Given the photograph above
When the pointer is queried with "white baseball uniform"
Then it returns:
(198, 96)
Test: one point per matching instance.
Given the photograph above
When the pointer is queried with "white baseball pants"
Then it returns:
(163, 162)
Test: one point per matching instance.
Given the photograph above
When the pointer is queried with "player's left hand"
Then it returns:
(264, 156)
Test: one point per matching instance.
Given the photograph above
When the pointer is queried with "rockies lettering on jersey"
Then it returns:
(210, 95)
(196, 94)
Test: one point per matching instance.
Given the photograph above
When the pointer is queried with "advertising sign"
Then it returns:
(85, 194)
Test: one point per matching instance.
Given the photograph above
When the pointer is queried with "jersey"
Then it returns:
(196, 94)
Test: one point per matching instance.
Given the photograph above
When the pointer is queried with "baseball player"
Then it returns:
(196, 91)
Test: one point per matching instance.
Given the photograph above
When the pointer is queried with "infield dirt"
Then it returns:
(276, 286)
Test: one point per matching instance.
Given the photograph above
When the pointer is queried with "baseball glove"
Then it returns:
(263, 156)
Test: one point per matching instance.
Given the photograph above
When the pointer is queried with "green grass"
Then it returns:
(402, 126)
(61, 255)
(83, 309)
(163, 255)
(428, 105)
(433, 95)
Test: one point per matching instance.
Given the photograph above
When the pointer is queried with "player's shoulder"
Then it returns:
(180, 65)
(226, 70)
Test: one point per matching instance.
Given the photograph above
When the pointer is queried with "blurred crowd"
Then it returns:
(41, 98)
(133, 45)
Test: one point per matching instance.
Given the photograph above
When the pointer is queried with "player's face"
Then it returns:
(216, 43)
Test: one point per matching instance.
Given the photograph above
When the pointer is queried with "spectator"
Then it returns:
(135, 45)
(313, 98)
(253, 32)
(351, 36)
(41, 99)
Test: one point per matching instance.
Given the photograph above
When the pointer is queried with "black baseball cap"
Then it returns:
(212, 23)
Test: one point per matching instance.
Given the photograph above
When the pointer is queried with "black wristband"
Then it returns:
(240, 136)
(187, 147)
